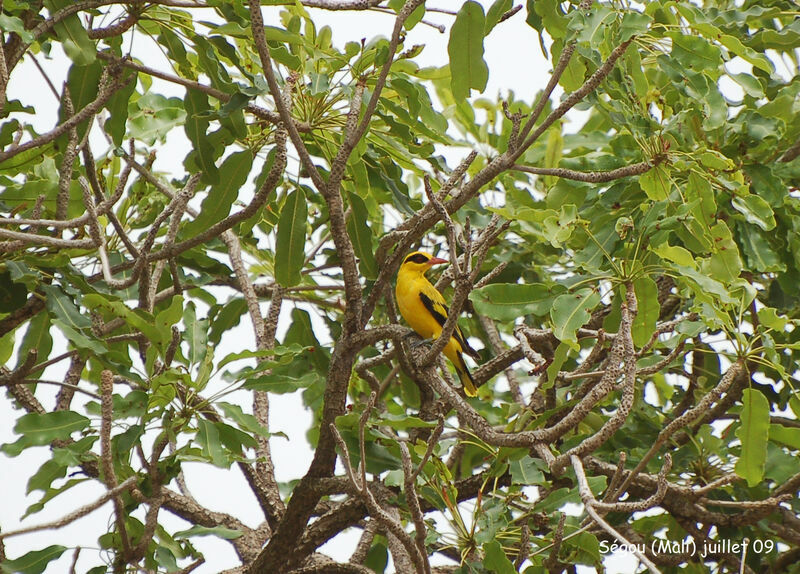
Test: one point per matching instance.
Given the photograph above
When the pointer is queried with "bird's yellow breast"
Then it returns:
(409, 287)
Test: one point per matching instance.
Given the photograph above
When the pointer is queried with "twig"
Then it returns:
(726, 381)
(521, 334)
(462, 283)
(70, 153)
(260, 40)
(613, 424)
(59, 384)
(420, 531)
(558, 537)
(498, 347)
(77, 551)
(359, 483)
(129, 483)
(592, 176)
(590, 503)
(106, 457)
(364, 543)
(109, 83)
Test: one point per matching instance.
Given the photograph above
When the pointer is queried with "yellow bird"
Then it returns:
(424, 309)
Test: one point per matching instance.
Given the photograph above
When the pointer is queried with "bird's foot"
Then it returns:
(416, 344)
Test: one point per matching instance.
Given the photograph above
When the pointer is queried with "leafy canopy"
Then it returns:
(628, 241)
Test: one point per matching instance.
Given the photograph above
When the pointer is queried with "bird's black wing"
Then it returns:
(440, 311)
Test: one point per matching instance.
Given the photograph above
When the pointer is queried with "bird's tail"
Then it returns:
(465, 376)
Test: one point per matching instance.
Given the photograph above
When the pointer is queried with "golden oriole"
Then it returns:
(424, 309)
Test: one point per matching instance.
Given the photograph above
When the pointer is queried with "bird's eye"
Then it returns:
(417, 258)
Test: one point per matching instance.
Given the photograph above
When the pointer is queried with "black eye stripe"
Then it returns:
(417, 258)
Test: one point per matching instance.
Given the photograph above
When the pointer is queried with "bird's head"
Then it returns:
(420, 262)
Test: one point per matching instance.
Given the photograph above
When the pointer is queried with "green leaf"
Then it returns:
(575, 73)
(404, 421)
(465, 49)
(281, 384)
(39, 505)
(715, 160)
(789, 436)
(547, 14)
(361, 236)
(633, 24)
(750, 84)
(644, 325)
(13, 24)
(169, 316)
(724, 263)
(73, 35)
(760, 255)
(290, 245)
(559, 357)
(12, 295)
(377, 557)
(526, 470)
(319, 84)
(755, 210)
(553, 151)
(245, 421)
(117, 106)
(287, 351)
(749, 55)
(6, 347)
(209, 441)
(234, 439)
(591, 24)
(137, 319)
(217, 204)
(561, 496)
(44, 477)
(656, 183)
(40, 429)
(218, 531)
(79, 338)
(705, 284)
(753, 433)
(33, 562)
(83, 82)
(229, 315)
(152, 116)
(196, 105)
(507, 301)
(495, 560)
(768, 317)
(196, 334)
(61, 306)
(495, 12)
(695, 52)
(572, 311)
(676, 254)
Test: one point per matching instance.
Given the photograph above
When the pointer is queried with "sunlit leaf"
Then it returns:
(753, 433)
(468, 69)
(289, 251)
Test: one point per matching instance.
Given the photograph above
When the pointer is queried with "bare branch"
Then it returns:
(463, 285)
(383, 517)
(592, 176)
(106, 458)
(558, 537)
(590, 503)
(726, 381)
(129, 483)
(109, 83)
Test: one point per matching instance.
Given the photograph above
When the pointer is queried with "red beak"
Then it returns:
(436, 261)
